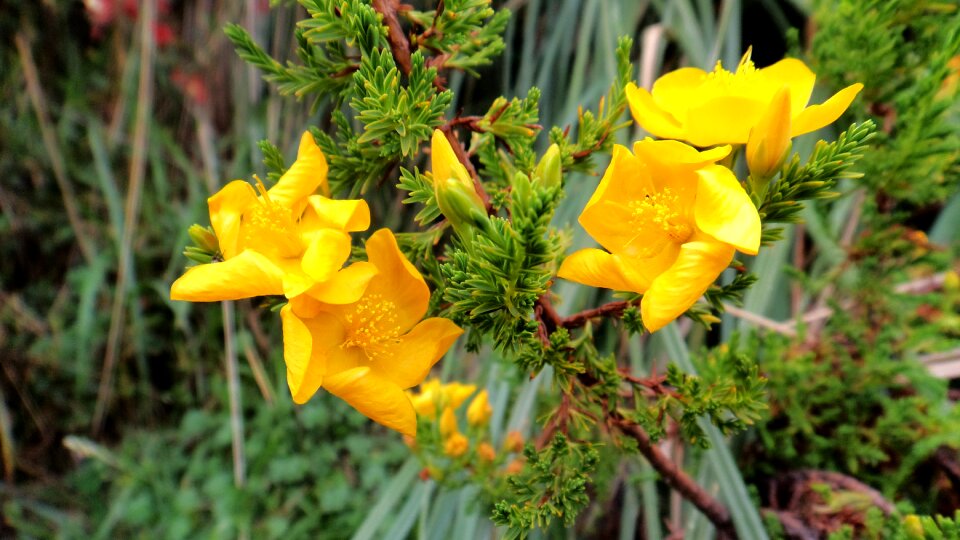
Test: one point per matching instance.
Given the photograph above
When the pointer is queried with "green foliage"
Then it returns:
(897, 527)
(852, 406)
(552, 485)
(729, 391)
(901, 51)
(467, 32)
(815, 179)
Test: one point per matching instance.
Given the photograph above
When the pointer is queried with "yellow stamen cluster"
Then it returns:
(660, 212)
(372, 326)
(270, 227)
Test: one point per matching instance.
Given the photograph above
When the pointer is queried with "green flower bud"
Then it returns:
(204, 238)
(550, 168)
(461, 205)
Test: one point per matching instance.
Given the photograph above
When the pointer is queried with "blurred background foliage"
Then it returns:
(118, 121)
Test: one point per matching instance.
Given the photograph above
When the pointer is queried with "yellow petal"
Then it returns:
(247, 275)
(375, 397)
(455, 393)
(676, 91)
(598, 268)
(724, 210)
(226, 209)
(674, 291)
(304, 368)
(651, 116)
(794, 74)
(723, 120)
(328, 250)
(676, 153)
(346, 286)
(295, 280)
(815, 117)
(769, 140)
(307, 174)
(409, 361)
(479, 410)
(398, 281)
(349, 215)
(443, 160)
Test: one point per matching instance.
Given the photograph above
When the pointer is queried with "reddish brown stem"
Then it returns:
(715, 511)
(612, 309)
(399, 44)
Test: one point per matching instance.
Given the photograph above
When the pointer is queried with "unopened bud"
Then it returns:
(514, 467)
(448, 423)
(913, 527)
(461, 205)
(951, 281)
(204, 237)
(486, 452)
(769, 142)
(479, 410)
(456, 445)
(513, 442)
(550, 168)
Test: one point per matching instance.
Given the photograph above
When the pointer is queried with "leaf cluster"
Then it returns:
(552, 485)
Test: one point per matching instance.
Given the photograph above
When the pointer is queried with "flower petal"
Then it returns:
(676, 153)
(375, 397)
(328, 250)
(410, 360)
(674, 291)
(304, 343)
(346, 286)
(398, 281)
(724, 210)
(307, 174)
(794, 74)
(723, 120)
(443, 160)
(651, 116)
(815, 117)
(348, 215)
(676, 91)
(226, 209)
(598, 268)
(247, 275)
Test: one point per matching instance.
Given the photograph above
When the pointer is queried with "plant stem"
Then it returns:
(715, 511)
(399, 44)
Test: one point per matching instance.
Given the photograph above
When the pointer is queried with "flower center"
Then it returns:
(744, 74)
(372, 326)
(659, 214)
(270, 228)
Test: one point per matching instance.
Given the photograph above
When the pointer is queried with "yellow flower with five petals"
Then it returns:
(670, 220)
(283, 241)
(369, 351)
(721, 107)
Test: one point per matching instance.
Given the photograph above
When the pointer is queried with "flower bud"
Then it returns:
(951, 281)
(513, 442)
(456, 445)
(448, 423)
(460, 204)
(913, 527)
(479, 410)
(550, 168)
(486, 452)
(203, 237)
(514, 467)
(769, 142)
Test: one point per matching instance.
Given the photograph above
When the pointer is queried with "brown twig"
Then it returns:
(399, 44)
(611, 309)
(715, 511)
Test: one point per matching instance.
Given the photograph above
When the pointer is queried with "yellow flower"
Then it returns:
(513, 442)
(369, 351)
(285, 240)
(670, 220)
(486, 452)
(721, 107)
(433, 395)
(479, 410)
(769, 141)
(456, 445)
